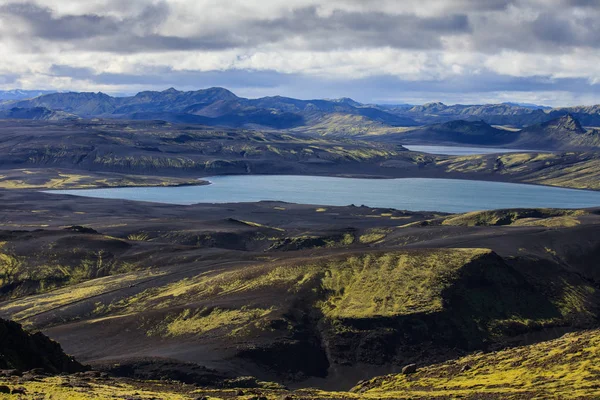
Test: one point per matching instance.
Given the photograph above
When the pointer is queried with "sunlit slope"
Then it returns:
(564, 368)
(375, 308)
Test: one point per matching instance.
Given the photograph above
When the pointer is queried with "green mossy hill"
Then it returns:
(419, 307)
(568, 169)
(374, 308)
(151, 148)
(25, 351)
(517, 217)
(48, 178)
(361, 286)
(564, 368)
(392, 284)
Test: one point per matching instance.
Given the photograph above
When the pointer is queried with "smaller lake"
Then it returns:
(414, 194)
(461, 151)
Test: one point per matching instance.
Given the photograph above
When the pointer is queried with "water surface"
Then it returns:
(461, 150)
(415, 194)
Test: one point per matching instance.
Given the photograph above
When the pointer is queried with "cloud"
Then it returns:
(532, 25)
(142, 31)
(8, 79)
(419, 48)
(163, 77)
(378, 88)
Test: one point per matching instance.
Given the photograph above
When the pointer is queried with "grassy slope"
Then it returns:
(564, 368)
(354, 287)
(70, 179)
(573, 170)
(517, 217)
(471, 292)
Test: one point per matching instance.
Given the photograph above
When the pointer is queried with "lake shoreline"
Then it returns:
(413, 194)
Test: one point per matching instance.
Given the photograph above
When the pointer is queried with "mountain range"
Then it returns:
(562, 133)
(498, 114)
(213, 106)
(220, 107)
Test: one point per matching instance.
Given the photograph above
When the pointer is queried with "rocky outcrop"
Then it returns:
(24, 351)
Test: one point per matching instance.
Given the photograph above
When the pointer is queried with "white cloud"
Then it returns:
(336, 40)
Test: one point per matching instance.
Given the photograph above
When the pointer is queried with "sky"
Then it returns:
(374, 51)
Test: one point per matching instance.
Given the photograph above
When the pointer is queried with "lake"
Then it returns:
(461, 150)
(415, 194)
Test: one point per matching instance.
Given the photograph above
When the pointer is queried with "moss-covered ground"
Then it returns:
(564, 368)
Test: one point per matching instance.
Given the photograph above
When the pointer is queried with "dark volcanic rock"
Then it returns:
(25, 351)
(409, 369)
(81, 229)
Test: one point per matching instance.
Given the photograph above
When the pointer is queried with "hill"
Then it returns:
(155, 148)
(456, 132)
(562, 133)
(493, 114)
(160, 153)
(508, 114)
(37, 114)
(565, 132)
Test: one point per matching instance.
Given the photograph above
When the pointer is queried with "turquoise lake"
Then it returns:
(415, 194)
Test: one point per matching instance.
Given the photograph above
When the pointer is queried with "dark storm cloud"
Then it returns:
(556, 28)
(340, 29)
(166, 77)
(93, 32)
(45, 25)
(8, 79)
(364, 29)
(485, 24)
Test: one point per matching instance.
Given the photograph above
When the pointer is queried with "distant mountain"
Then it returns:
(564, 132)
(82, 104)
(493, 114)
(458, 132)
(587, 115)
(213, 106)
(220, 107)
(36, 113)
(348, 101)
(18, 94)
(509, 114)
(528, 105)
